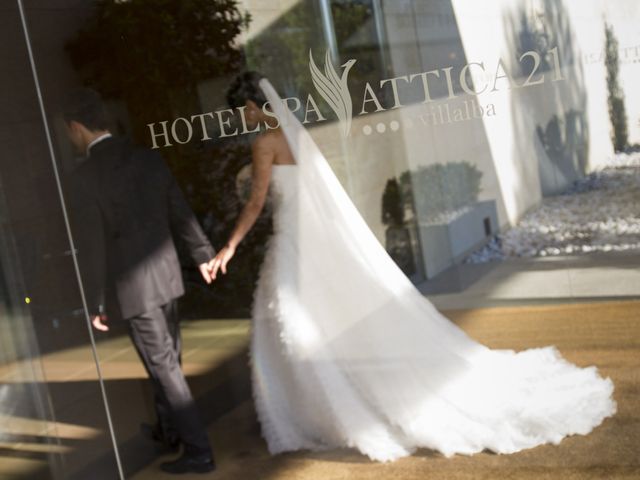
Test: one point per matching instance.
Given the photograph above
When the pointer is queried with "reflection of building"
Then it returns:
(539, 140)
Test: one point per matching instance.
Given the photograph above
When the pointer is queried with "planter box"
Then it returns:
(443, 245)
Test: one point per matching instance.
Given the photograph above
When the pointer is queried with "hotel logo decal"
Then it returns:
(334, 89)
(332, 86)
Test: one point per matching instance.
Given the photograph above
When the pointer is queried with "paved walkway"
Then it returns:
(603, 334)
(540, 280)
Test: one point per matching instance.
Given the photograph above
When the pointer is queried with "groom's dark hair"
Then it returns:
(246, 86)
(84, 105)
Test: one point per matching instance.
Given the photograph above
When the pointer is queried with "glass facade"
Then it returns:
(491, 147)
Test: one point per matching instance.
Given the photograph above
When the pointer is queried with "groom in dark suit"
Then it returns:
(125, 210)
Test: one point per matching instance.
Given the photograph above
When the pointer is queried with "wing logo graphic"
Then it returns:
(334, 89)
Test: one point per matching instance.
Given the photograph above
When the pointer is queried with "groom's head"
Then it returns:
(85, 117)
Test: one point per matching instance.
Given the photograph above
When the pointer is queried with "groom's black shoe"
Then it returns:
(164, 443)
(190, 463)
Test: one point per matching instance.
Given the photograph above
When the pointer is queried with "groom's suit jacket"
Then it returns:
(125, 210)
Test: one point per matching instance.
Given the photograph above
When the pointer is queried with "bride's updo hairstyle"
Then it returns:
(246, 86)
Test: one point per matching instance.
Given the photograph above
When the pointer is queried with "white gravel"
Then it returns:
(600, 213)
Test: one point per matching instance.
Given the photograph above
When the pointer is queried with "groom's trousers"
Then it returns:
(156, 336)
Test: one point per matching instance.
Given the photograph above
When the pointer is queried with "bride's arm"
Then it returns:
(262, 160)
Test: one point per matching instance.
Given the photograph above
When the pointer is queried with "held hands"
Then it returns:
(221, 259)
(205, 271)
(210, 269)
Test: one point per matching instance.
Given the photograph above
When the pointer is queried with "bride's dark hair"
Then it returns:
(246, 86)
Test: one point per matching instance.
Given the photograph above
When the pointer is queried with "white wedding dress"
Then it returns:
(346, 352)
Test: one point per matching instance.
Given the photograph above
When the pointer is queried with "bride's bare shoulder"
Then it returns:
(269, 139)
(271, 142)
(263, 142)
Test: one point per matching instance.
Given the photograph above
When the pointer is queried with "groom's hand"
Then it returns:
(99, 322)
(205, 271)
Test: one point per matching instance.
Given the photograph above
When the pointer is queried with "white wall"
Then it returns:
(490, 31)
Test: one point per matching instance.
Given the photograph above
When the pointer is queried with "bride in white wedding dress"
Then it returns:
(346, 352)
